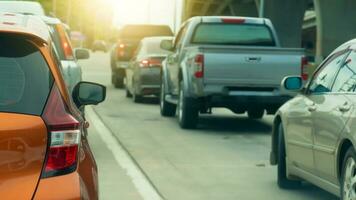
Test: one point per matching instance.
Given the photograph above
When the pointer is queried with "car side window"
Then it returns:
(324, 78)
(346, 78)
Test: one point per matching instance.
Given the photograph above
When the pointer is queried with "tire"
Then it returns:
(118, 82)
(128, 93)
(188, 112)
(256, 114)
(282, 180)
(347, 185)
(167, 109)
(136, 97)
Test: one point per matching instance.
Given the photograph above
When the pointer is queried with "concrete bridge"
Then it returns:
(318, 25)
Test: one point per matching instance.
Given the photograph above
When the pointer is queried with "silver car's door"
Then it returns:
(300, 126)
(333, 112)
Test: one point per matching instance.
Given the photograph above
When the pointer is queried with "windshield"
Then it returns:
(25, 79)
(233, 34)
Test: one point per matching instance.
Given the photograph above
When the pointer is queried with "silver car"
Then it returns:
(314, 134)
(143, 75)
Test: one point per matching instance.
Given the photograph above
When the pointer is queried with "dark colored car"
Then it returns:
(129, 38)
(143, 75)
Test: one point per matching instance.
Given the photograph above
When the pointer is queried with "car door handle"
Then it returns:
(312, 108)
(344, 108)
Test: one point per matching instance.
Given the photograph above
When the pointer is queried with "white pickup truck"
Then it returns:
(231, 62)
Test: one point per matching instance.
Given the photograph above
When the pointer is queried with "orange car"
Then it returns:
(44, 152)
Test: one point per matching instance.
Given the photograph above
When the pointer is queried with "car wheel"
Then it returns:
(167, 109)
(282, 179)
(256, 114)
(348, 177)
(128, 93)
(188, 112)
(136, 97)
(118, 82)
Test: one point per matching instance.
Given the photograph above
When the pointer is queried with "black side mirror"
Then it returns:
(86, 93)
(82, 54)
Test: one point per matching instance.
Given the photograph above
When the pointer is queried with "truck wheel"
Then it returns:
(167, 109)
(118, 82)
(256, 114)
(282, 180)
(128, 93)
(348, 175)
(188, 112)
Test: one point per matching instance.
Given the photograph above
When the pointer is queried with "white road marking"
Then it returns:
(143, 186)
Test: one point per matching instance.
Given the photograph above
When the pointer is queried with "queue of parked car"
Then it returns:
(45, 153)
(238, 63)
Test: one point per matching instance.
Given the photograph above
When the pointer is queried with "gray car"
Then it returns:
(143, 75)
(314, 134)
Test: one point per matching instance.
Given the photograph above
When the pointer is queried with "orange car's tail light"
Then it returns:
(64, 135)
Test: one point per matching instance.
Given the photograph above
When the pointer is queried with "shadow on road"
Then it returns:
(234, 124)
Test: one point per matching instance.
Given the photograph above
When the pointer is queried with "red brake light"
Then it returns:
(233, 21)
(150, 63)
(199, 66)
(304, 68)
(65, 42)
(64, 137)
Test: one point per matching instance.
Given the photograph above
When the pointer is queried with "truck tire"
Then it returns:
(167, 109)
(188, 112)
(255, 113)
(128, 93)
(347, 174)
(282, 179)
(118, 82)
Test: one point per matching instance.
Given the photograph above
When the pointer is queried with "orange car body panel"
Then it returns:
(23, 144)
(30, 153)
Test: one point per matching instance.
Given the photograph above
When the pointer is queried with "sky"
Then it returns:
(146, 11)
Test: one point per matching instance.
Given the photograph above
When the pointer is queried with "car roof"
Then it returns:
(22, 7)
(156, 39)
(27, 25)
(51, 20)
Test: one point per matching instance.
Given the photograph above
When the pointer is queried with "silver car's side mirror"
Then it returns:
(292, 83)
(167, 45)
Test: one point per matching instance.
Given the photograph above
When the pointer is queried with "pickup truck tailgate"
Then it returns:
(250, 66)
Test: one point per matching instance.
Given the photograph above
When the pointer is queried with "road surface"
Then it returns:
(227, 157)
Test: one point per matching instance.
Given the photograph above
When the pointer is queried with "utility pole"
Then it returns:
(69, 12)
(54, 7)
(175, 16)
(262, 8)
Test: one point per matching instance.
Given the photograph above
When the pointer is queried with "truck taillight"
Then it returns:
(150, 63)
(199, 66)
(64, 137)
(121, 50)
(304, 68)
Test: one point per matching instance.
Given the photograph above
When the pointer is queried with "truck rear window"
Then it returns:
(25, 79)
(233, 34)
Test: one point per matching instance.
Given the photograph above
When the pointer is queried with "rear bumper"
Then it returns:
(66, 187)
(149, 81)
(249, 100)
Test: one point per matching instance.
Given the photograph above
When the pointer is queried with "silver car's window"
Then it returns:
(324, 78)
(346, 78)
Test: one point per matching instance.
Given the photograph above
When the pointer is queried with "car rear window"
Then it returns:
(25, 79)
(154, 47)
(233, 34)
(141, 31)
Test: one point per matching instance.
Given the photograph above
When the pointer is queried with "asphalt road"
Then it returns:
(225, 158)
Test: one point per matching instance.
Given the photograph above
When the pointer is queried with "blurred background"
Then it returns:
(101, 19)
